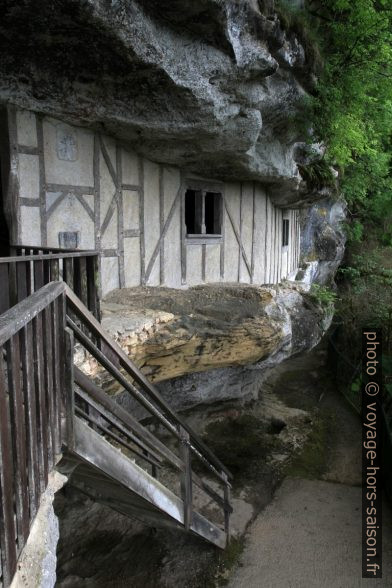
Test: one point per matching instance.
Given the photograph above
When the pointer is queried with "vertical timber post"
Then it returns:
(69, 389)
(186, 478)
(226, 496)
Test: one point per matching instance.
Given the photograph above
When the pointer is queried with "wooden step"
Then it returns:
(109, 477)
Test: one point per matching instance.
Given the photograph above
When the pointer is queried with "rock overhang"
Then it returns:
(211, 87)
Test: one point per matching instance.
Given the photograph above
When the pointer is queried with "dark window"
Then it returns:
(213, 211)
(203, 213)
(285, 236)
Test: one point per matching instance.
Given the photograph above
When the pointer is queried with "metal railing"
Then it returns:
(31, 267)
(31, 399)
(42, 392)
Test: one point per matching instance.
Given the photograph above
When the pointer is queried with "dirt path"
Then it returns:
(309, 536)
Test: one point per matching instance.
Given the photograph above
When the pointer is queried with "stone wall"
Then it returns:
(74, 180)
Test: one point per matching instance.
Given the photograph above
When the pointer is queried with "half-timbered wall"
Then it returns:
(72, 180)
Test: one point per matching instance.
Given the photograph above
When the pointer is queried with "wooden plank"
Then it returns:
(208, 490)
(116, 373)
(18, 429)
(22, 249)
(240, 234)
(39, 377)
(28, 150)
(163, 234)
(108, 161)
(63, 391)
(161, 226)
(22, 280)
(237, 236)
(120, 217)
(253, 234)
(54, 270)
(83, 280)
(49, 389)
(38, 271)
(116, 423)
(69, 388)
(107, 432)
(69, 188)
(223, 241)
(265, 277)
(45, 256)
(12, 284)
(30, 406)
(150, 443)
(227, 506)
(4, 290)
(46, 270)
(183, 235)
(17, 317)
(132, 479)
(97, 330)
(77, 288)
(57, 328)
(44, 214)
(92, 286)
(68, 272)
(143, 279)
(186, 478)
(7, 524)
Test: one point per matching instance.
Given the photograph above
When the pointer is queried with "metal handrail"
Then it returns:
(38, 387)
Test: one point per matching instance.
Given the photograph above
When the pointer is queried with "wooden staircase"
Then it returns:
(52, 415)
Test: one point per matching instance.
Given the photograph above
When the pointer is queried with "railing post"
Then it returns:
(186, 477)
(97, 288)
(69, 393)
(226, 497)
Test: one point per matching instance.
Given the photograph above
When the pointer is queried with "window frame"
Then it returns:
(285, 233)
(203, 189)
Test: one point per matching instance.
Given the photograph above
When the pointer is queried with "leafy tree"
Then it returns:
(350, 110)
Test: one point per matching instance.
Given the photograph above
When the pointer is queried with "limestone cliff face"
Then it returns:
(213, 86)
(323, 239)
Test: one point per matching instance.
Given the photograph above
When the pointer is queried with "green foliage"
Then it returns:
(323, 296)
(351, 113)
(352, 107)
(296, 21)
(354, 230)
(317, 175)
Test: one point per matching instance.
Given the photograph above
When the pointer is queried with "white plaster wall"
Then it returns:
(151, 218)
(29, 176)
(71, 216)
(270, 249)
(172, 242)
(213, 263)
(194, 265)
(30, 225)
(109, 274)
(232, 192)
(259, 237)
(131, 210)
(144, 189)
(107, 188)
(246, 229)
(132, 268)
(60, 171)
(26, 128)
(130, 168)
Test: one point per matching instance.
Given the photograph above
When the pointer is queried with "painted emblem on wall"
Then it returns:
(67, 146)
